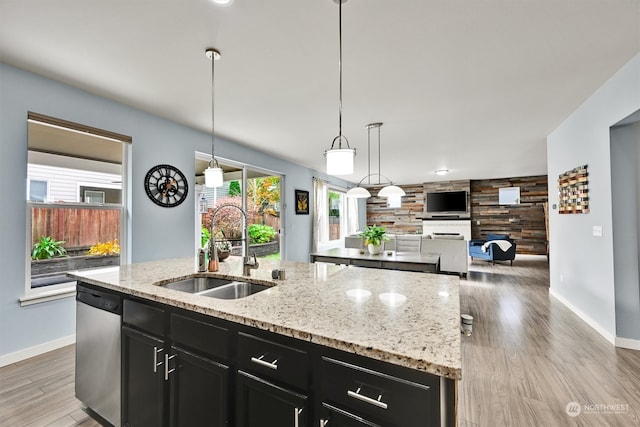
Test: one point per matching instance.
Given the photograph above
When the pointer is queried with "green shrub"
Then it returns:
(205, 234)
(260, 233)
(234, 189)
(48, 248)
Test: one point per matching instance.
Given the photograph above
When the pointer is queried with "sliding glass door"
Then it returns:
(258, 192)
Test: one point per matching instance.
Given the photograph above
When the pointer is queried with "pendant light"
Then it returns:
(213, 176)
(392, 192)
(340, 160)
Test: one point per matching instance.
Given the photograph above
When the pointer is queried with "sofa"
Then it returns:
(452, 249)
(496, 247)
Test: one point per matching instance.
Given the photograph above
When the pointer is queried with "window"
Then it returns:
(38, 190)
(93, 196)
(335, 216)
(75, 216)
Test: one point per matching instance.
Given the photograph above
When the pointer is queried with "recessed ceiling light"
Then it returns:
(442, 171)
(222, 2)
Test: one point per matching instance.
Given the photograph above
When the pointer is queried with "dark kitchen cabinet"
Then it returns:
(199, 391)
(331, 416)
(261, 403)
(143, 375)
(165, 384)
(377, 396)
(187, 369)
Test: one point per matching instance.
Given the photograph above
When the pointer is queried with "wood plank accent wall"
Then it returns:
(404, 220)
(524, 222)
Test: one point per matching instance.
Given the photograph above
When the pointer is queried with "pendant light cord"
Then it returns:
(369, 154)
(379, 156)
(213, 120)
(340, 73)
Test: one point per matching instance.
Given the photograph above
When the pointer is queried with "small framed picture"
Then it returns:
(302, 202)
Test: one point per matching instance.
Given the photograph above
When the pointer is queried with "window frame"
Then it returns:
(30, 180)
(344, 218)
(68, 289)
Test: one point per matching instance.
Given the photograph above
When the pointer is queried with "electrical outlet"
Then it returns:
(597, 230)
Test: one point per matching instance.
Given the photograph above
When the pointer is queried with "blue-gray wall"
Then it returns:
(625, 190)
(155, 141)
(581, 264)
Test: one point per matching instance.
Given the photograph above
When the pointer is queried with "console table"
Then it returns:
(406, 261)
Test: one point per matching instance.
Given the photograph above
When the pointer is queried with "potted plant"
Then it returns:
(373, 237)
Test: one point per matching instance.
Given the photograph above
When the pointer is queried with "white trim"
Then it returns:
(588, 320)
(48, 293)
(628, 343)
(8, 359)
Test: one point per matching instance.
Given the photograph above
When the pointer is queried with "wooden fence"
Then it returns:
(76, 226)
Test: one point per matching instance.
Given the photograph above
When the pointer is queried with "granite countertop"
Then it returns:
(394, 316)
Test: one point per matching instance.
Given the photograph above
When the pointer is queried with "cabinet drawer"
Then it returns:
(378, 396)
(210, 339)
(145, 317)
(276, 361)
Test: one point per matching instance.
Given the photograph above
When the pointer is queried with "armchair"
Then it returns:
(496, 247)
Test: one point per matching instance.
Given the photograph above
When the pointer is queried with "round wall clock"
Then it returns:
(166, 186)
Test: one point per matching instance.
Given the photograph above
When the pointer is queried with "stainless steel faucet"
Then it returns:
(249, 262)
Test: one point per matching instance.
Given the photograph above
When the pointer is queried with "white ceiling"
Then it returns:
(469, 85)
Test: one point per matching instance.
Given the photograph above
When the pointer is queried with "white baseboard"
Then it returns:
(589, 321)
(7, 359)
(628, 343)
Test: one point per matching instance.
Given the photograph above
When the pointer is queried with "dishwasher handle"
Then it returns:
(99, 299)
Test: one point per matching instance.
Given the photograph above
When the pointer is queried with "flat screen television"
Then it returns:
(447, 201)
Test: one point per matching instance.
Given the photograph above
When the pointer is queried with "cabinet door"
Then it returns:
(199, 391)
(263, 404)
(334, 417)
(143, 379)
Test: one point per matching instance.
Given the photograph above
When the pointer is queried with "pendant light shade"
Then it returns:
(340, 160)
(358, 193)
(391, 191)
(213, 175)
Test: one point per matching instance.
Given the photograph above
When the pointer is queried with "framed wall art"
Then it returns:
(302, 202)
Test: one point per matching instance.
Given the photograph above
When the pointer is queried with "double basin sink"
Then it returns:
(216, 287)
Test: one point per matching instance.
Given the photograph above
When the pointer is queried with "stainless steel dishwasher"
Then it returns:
(98, 370)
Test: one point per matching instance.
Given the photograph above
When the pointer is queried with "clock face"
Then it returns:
(166, 186)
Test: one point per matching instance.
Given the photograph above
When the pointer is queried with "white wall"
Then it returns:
(581, 265)
(154, 142)
(625, 188)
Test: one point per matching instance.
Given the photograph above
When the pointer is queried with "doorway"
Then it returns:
(258, 192)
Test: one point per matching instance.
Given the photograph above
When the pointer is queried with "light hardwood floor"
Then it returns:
(528, 357)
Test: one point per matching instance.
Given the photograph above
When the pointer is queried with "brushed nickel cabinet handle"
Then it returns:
(323, 422)
(167, 371)
(296, 416)
(156, 351)
(260, 361)
(356, 395)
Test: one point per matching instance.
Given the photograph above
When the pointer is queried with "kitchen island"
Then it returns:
(398, 330)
